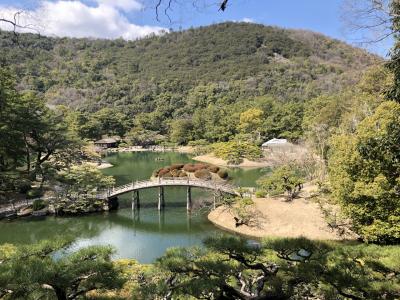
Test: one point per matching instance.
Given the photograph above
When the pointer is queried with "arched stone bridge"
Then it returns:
(160, 183)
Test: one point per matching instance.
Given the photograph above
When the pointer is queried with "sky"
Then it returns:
(132, 19)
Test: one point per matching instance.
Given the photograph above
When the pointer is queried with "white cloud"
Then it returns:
(247, 20)
(125, 5)
(76, 19)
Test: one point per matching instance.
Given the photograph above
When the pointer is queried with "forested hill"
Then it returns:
(296, 64)
(179, 73)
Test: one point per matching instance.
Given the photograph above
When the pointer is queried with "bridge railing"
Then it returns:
(169, 181)
(196, 182)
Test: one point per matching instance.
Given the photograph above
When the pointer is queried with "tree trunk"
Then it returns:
(61, 294)
(28, 155)
(39, 161)
(2, 163)
(43, 178)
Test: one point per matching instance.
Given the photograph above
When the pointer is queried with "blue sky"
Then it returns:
(135, 18)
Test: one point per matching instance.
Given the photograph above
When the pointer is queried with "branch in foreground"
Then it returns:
(168, 7)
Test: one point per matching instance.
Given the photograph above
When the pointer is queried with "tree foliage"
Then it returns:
(250, 122)
(235, 151)
(394, 92)
(233, 268)
(207, 76)
(84, 180)
(29, 272)
(365, 174)
(284, 179)
(33, 136)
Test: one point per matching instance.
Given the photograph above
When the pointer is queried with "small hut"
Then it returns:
(277, 145)
(106, 143)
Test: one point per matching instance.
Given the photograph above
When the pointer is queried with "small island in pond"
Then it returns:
(196, 170)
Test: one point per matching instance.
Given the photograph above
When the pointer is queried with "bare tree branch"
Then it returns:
(167, 5)
(223, 5)
(17, 26)
(371, 20)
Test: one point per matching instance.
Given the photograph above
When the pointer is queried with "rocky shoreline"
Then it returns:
(180, 149)
(59, 208)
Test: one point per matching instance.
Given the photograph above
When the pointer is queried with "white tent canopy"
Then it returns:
(274, 142)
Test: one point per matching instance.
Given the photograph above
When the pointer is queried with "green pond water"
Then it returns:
(143, 235)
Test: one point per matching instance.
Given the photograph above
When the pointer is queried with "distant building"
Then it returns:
(106, 143)
(278, 145)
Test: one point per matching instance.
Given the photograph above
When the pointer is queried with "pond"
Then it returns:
(143, 235)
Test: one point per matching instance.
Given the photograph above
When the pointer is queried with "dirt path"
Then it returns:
(211, 159)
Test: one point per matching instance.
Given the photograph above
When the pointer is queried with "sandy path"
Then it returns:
(211, 159)
(299, 218)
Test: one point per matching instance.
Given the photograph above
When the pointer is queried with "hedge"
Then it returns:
(163, 171)
(168, 174)
(182, 174)
(203, 174)
(189, 168)
(223, 174)
(175, 172)
(176, 166)
(181, 170)
(213, 169)
(194, 167)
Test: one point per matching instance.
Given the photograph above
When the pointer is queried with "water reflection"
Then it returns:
(144, 234)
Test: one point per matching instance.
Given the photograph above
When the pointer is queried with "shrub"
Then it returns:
(33, 193)
(260, 194)
(182, 174)
(176, 166)
(194, 167)
(203, 174)
(38, 204)
(168, 174)
(198, 143)
(285, 179)
(373, 232)
(163, 171)
(6, 182)
(234, 160)
(246, 201)
(223, 174)
(175, 172)
(189, 168)
(213, 169)
(200, 166)
(23, 186)
(235, 151)
(122, 145)
(245, 213)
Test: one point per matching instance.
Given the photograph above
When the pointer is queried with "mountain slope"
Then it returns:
(239, 61)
